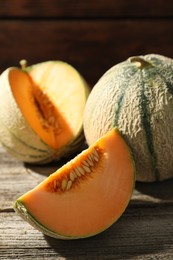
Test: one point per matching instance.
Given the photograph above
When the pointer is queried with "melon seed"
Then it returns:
(86, 168)
(90, 156)
(80, 169)
(72, 176)
(95, 158)
(64, 184)
(90, 162)
(84, 162)
(95, 152)
(69, 184)
(75, 175)
(77, 172)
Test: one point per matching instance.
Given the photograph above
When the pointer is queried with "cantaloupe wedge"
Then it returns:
(86, 195)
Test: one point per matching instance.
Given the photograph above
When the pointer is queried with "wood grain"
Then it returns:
(134, 236)
(90, 46)
(85, 9)
(90, 35)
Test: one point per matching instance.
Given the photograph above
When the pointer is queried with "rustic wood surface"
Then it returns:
(90, 35)
(85, 8)
(144, 231)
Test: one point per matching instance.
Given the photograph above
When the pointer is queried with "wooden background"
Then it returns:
(90, 35)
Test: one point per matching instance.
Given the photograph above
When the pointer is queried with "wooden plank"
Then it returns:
(16, 178)
(85, 8)
(138, 234)
(90, 46)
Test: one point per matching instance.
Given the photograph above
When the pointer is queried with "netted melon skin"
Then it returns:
(139, 102)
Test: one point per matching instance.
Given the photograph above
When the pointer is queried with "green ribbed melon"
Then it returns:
(27, 99)
(136, 96)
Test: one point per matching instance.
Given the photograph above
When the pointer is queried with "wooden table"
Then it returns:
(144, 231)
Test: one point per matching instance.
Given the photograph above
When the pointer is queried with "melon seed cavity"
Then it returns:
(47, 112)
(78, 172)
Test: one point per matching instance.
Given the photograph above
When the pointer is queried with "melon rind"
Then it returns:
(21, 210)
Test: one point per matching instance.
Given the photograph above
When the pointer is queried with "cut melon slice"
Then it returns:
(52, 100)
(86, 195)
(41, 111)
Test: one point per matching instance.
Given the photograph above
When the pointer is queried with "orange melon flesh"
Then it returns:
(94, 201)
(51, 97)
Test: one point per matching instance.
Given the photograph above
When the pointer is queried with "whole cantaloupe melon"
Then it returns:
(136, 96)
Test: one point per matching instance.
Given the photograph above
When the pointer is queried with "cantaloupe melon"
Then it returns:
(41, 111)
(86, 195)
(137, 97)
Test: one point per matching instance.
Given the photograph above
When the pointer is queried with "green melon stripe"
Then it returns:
(119, 106)
(22, 154)
(169, 86)
(145, 116)
(145, 113)
(22, 142)
(124, 87)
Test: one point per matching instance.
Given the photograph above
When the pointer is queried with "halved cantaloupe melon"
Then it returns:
(86, 195)
(41, 110)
